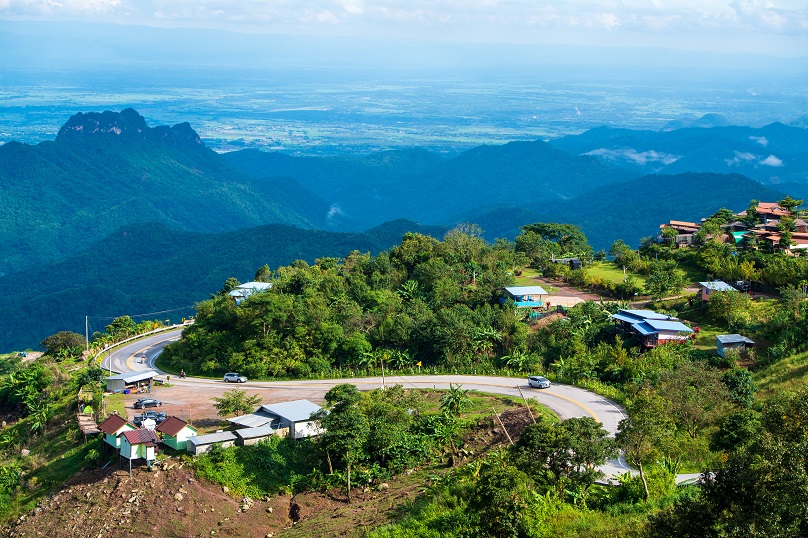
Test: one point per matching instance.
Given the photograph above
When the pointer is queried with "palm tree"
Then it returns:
(455, 400)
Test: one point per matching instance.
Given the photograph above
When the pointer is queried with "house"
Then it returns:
(199, 444)
(525, 296)
(243, 291)
(708, 288)
(725, 342)
(294, 417)
(651, 328)
(684, 231)
(139, 444)
(771, 211)
(251, 436)
(573, 263)
(121, 382)
(176, 432)
(113, 427)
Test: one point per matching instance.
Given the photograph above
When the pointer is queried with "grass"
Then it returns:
(786, 375)
(114, 403)
(610, 272)
(528, 278)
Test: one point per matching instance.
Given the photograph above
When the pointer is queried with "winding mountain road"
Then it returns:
(567, 401)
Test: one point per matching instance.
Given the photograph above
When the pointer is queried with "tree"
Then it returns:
(740, 385)
(640, 433)
(569, 238)
(229, 285)
(789, 204)
(694, 393)
(121, 327)
(235, 402)
(455, 400)
(263, 274)
(500, 502)
(346, 427)
(663, 282)
(63, 342)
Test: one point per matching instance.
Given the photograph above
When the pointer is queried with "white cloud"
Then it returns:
(762, 140)
(741, 157)
(641, 158)
(771, 160)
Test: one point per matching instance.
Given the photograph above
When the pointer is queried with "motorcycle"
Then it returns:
(182, 375)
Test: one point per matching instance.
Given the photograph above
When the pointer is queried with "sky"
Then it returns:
(769, 28)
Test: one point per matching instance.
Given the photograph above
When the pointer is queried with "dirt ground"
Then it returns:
(170, 501)
(193, 404)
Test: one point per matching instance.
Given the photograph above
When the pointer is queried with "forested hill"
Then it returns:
(108, 170)
(634, 209)
(148, 268)
(414, 184)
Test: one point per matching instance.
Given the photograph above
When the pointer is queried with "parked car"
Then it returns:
(143, 403)
(233, 377)
(538, 382)
(157, 416)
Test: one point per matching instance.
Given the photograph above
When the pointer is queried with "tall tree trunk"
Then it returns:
(330, 467)
(644, 482)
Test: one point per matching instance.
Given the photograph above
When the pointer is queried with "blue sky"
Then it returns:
(777, 28)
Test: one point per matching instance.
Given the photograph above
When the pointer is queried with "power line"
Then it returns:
(102, 318)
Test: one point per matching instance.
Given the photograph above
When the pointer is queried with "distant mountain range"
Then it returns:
(118, 217)
(772, 155)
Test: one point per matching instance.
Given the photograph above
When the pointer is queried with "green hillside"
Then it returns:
(148, 267)
(108, 170)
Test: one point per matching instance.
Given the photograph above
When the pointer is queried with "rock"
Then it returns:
(25, 452)
(178, 496)
(384, 485)
(191, 480)
(269, 510)
(225, 489)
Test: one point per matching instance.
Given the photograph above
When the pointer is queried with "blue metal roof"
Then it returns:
(644, 329)
(646, 314)
(733, 339)
(676, 326)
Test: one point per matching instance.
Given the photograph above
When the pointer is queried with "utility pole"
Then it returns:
(87, 331)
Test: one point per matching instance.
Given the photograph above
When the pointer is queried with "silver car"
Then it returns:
(233, 377)
(538, 382)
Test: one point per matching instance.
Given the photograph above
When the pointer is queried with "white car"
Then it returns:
(538, 382)
(233, 377)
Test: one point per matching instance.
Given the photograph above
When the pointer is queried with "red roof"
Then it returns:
(112, 424)
(771, 208)
(140, 437)
(172, 426)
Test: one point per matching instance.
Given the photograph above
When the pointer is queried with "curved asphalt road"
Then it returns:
(567, 401)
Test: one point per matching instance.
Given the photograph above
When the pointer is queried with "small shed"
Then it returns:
(251, 436)
(708, 288)
(176, 432)
(726, 342)
(243, 291)
(525, 296)
(121, 382)
(199, 444)
(296, 416)
(113, 427)
(137, 444)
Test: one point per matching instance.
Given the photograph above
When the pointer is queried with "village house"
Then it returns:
(651, 328)
(286, 418)
(199, 444)
(139, 444)
(251, 436)
(706, 289)
(176, 432)
(243, 291)
(726, 342)
(525, 296)
(113, 427)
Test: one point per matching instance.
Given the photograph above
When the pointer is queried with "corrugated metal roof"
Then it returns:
(112, 424)
(526, 290)
(252, 433)
(253, 420)
(172, 426)
(140, 436)
(733, 339)
(210, 438)
(644, 329)
(664, 325)
(134, 377)
(296, 411)
(717, 285)
(646, 314)
(623, 317)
